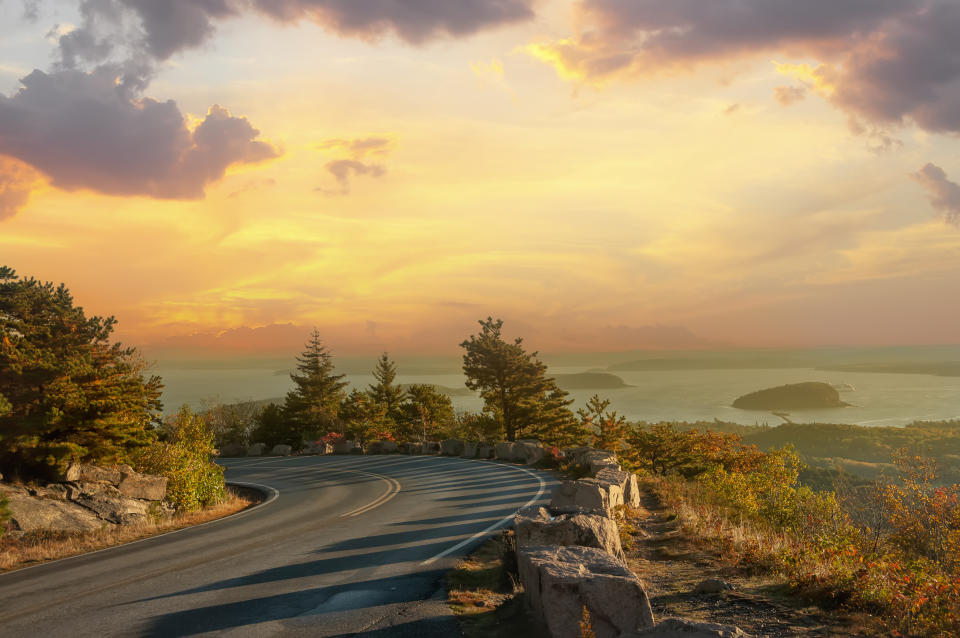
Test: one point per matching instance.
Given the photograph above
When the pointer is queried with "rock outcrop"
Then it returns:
(94, 498)
(537, 526)
(561, 581)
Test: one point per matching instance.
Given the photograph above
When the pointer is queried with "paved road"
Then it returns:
(347, 546)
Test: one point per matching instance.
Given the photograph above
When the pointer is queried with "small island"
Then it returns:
(794, 396)
(590, 381)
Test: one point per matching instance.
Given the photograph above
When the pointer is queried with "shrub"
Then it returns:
(194, 481)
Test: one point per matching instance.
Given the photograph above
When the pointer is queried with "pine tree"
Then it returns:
(385, 392)
(312, 406)
(68, 393)
(515, 387)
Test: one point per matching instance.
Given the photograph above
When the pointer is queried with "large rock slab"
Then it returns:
(684, 628)
(451, 447)
(561, 581)
(29, 514)
(141, 486)
(536, 526)
(590, 495)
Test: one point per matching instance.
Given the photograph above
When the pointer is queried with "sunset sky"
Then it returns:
(602, 174)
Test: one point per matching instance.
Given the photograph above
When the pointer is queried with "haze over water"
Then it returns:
(878, 399)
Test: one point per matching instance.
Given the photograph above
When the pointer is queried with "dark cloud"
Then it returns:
(84, 130)
(16, 180)
(787, 95)
(944, 194)
(343, 170)
(415, 21)
(885, 61)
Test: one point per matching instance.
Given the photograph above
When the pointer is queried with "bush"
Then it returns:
(194, 481)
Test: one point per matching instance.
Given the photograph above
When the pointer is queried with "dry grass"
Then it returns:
(483, 591)
(39, 547)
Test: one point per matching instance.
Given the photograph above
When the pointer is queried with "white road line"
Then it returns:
(496, 525)
(393, 488)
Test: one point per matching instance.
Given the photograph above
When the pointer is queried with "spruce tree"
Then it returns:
(605, 427)
(427, 413)
(312, 406)
(515, 387)
(66, 392)
(385, 393)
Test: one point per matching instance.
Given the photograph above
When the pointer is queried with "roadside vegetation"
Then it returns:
(889, 547)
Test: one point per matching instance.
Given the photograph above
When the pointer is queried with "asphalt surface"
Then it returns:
(344, 546)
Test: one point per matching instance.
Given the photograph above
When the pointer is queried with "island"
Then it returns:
(590, 381)
(794, 396)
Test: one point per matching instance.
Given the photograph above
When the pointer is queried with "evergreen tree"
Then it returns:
(385, 392)
(312, 406)
(364, 420)
(514, 386)
(68, 393)
(606, 427)
(428, 414)
(272, 427)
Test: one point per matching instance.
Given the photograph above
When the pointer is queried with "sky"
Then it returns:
(608, 175)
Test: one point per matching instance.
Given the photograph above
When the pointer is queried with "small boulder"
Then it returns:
(382, 447)
(532, 453)
(431, 447)
(470, 449)
(232, 450)
(485, 451)
(281, 450)
(451, 447)
(344, 446)
(712, 586)
(256, 449)
(590, 495)
(561, 581)
(685, 628)
(535, 526)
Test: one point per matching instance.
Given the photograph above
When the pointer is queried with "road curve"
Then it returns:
(345, 546)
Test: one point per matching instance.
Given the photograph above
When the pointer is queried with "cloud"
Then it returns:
(415, 21)
(358, 148)
(885, 61)
(84, 130)
(944, 194)
(342, 170)
(16, 182)
(787, 95)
